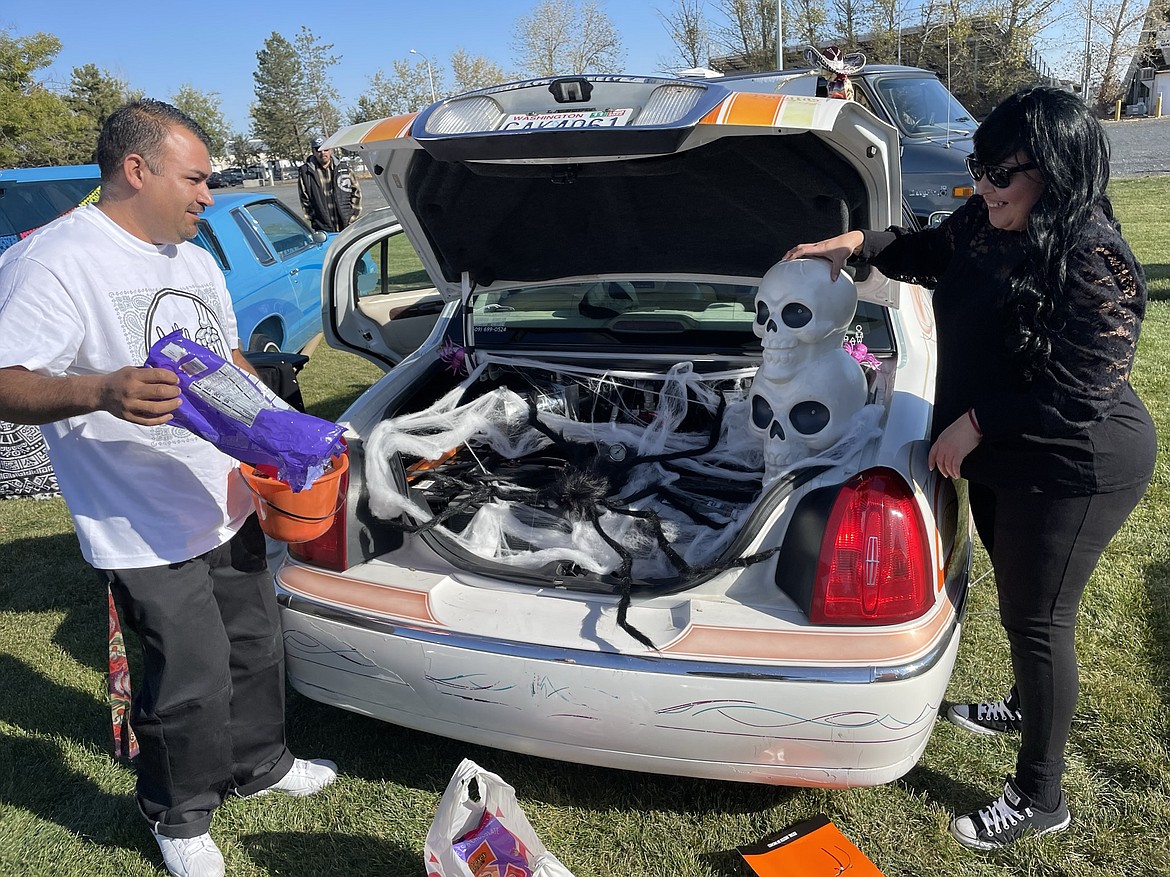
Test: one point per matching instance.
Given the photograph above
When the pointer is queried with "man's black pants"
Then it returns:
(209, 708)
(1043, 550)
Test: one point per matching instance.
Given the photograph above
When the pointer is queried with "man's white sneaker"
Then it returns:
(305, 777)
(190, 856)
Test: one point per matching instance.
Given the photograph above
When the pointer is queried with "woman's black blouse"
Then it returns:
(1077, 427)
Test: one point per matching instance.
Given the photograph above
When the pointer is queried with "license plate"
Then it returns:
(568, 119)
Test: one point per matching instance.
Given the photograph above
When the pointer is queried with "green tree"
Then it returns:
(1114, 36)
(321, 97)
(94, 94)
(689, 32)
(205, 108)
(805, 24)
(406, 91)
(374, 103)
(567, 36)
(475, 71)
(241, 149)
(280, 114)
(749, 30)
(37, 127)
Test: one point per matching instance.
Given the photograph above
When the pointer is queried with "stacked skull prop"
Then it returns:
(808, 386)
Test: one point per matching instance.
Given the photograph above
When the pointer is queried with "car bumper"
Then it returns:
(827, 726)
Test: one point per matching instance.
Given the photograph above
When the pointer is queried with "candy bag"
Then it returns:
(491, 849)
(243, 418)
(468, 832)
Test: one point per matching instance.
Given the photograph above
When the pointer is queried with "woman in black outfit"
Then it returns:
(1038, 302)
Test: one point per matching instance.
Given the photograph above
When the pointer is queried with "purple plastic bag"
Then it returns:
(490, 848)
(243, 418)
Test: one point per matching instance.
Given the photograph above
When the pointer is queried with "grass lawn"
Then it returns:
(67, 810)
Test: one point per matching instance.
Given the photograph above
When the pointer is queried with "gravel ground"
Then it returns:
(1140, 147)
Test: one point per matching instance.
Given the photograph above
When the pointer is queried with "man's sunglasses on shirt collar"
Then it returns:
(997, 174)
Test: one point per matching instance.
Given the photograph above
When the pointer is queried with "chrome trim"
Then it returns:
(667, 666)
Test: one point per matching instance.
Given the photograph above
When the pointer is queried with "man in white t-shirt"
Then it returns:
(161, 514)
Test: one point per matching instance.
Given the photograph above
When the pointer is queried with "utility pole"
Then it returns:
(430, 77)
(779, 34)
(1088, 52)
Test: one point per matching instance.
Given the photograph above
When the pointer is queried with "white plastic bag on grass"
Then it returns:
(459, 814)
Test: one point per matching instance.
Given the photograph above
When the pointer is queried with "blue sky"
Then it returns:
(212, 44)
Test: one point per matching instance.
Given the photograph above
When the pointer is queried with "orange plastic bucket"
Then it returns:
(296, 517)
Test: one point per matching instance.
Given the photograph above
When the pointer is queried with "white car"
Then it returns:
(640, 499)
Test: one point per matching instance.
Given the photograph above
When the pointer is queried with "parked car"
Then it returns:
(934, 129)
(272, 263)
(232, 176)
(32, 197)
(217, 180)
(270, 258)
(630, 503)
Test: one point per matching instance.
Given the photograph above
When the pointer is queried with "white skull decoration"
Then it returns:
(808, 387)
(801, 314)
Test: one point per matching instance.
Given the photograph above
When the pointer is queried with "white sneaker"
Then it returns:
(305, 777)
(190, 856)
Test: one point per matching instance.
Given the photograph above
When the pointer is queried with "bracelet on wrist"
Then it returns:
(974, 422)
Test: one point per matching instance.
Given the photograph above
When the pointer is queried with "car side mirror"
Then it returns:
(320, 237)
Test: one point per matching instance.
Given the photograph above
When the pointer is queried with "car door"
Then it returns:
(282, 241)
(377, 298)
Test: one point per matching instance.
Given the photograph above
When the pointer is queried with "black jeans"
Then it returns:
(1043, 550)
(209, 708)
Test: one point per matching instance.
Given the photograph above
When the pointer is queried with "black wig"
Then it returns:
(1058, 132)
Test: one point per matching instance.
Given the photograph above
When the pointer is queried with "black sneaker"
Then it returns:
(1000, 717)
(1006, 819)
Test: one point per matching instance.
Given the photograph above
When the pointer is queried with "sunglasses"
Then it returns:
(998, 175)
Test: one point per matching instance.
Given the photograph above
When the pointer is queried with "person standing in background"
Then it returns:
(330, 196)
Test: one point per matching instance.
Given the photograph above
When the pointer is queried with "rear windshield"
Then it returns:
(653, 315)
(26, 206)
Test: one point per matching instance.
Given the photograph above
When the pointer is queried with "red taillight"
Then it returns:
(874, 566)
(328, 549)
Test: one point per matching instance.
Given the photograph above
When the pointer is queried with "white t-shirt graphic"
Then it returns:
(83, 296)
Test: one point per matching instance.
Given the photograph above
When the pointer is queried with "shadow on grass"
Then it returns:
(953, 795)
(1154, 274)
(1157, 581)
(50, 790)
(314, 853)
(48, 574)
(37, 704)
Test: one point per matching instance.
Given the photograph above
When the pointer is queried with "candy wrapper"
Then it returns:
(490, 849)
(487, 835)
(239, 415)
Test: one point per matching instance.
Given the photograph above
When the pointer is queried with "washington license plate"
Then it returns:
(568, 119)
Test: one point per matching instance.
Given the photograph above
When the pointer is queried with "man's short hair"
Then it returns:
(141, 127)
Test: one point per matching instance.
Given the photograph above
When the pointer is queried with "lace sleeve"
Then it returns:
(918, 256)
(1091, 359)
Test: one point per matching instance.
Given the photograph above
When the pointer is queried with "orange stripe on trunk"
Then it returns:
(390, 129)
(747, 109)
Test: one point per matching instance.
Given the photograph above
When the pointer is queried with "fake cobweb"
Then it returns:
(643, 476)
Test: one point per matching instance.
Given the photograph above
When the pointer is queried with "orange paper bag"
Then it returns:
(812, 848)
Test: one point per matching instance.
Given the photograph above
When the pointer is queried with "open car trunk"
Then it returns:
(594, 420)
(568, 474)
